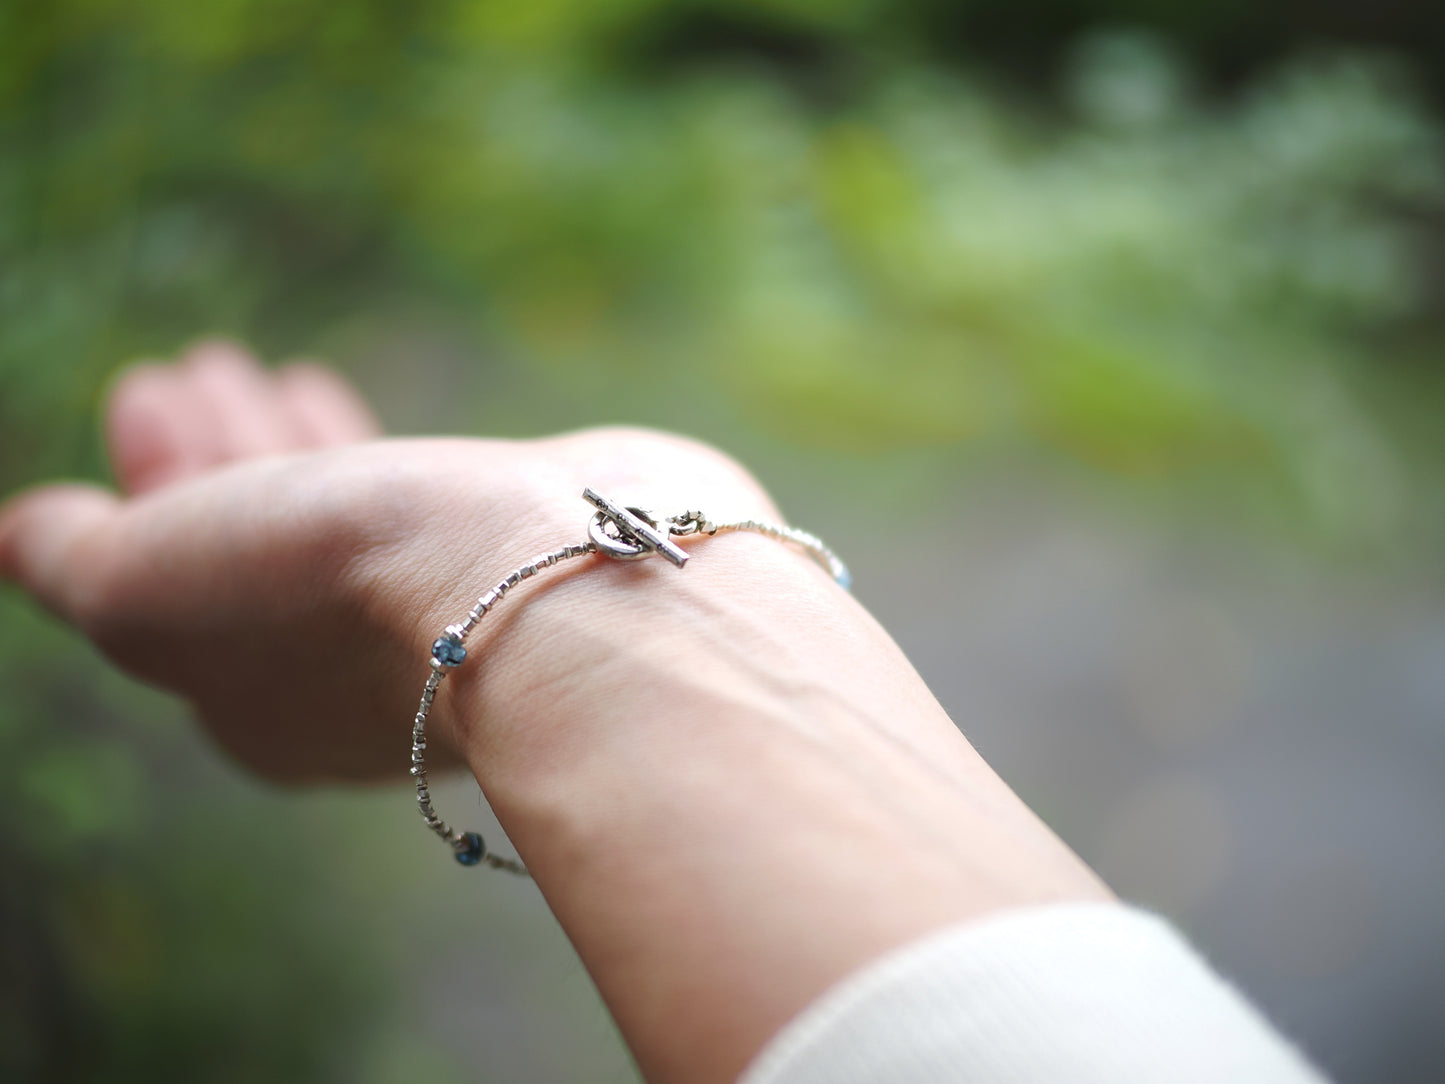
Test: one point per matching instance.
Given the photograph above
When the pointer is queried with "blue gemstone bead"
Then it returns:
(845, 580)
(448, 650)
(472, 853)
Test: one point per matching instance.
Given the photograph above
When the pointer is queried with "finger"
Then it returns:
(46, 539)
(324, 406)
(242, 401)
(155, 434)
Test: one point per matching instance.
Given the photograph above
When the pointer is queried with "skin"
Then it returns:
(727, 781)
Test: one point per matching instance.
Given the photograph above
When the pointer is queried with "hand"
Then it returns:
(269, 560)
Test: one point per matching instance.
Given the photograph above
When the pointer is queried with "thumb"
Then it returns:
(41, 536)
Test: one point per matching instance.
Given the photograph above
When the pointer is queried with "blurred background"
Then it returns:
(1120, 322)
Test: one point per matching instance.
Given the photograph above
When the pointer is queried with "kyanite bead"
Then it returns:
(470, 850)
(448, 650)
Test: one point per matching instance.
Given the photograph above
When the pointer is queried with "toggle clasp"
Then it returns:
(629, 534)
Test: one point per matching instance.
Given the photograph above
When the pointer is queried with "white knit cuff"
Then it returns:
(1063, 993)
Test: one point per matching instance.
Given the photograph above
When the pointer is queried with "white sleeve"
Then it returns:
(1047, 995)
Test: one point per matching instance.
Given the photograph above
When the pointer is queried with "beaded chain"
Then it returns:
(622, 533)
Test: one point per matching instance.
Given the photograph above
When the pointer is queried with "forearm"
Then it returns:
(733, 789)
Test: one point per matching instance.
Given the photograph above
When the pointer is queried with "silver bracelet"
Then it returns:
(624, 534)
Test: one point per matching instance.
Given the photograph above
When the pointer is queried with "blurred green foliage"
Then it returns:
(890, 256)
(795, 216)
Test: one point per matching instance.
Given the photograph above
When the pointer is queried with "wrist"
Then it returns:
(602, 650)
(441, 521)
